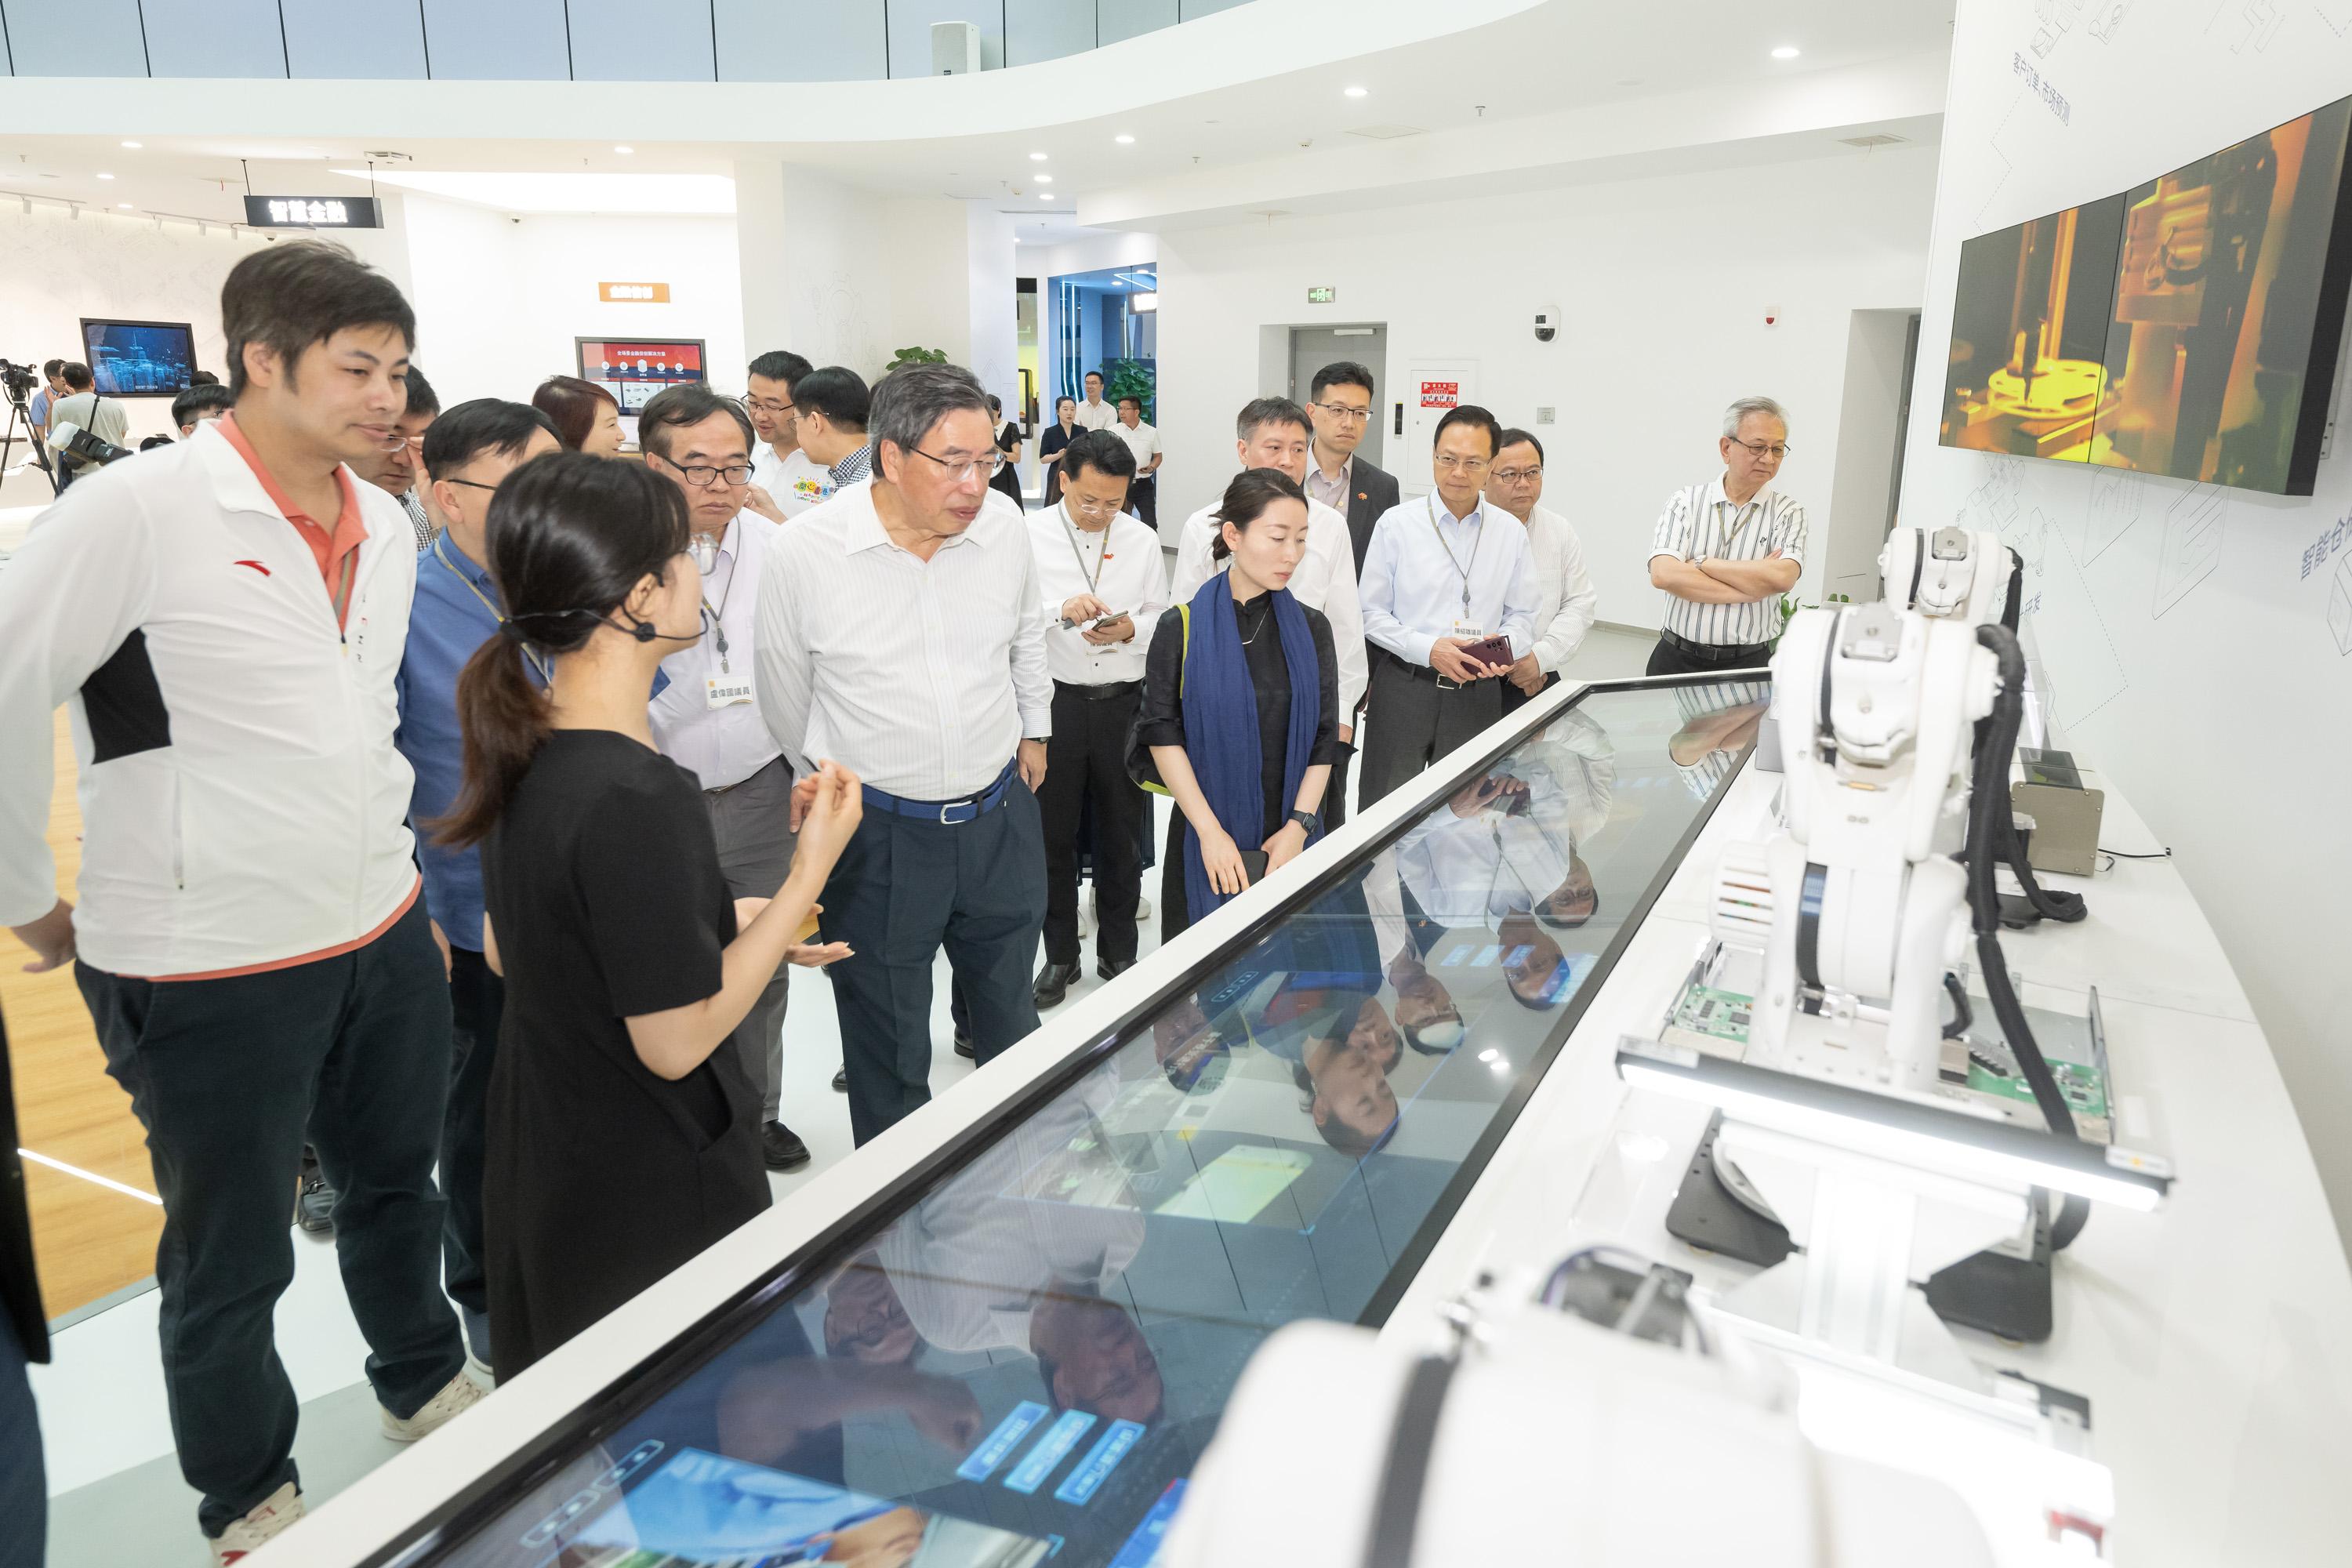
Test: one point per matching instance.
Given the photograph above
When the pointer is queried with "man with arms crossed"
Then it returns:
(226, 616)
(1727, 549)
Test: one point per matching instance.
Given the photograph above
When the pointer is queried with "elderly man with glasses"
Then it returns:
(1727, 549)
(1565, 602)
(706, 719)
(397, 458)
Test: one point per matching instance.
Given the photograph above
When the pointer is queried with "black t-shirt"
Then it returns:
(1162, 721)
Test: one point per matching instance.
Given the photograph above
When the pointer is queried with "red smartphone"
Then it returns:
(1495, 652)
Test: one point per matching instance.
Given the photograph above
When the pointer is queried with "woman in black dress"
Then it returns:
(1007, 477)
(1241, 705)
(1055, 442)
(622, 1140)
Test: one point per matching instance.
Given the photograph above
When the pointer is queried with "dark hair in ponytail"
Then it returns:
(1245, 501)
(570, 537)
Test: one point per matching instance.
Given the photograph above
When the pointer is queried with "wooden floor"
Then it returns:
(89, 1239)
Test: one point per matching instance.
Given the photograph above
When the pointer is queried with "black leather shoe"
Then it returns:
(782, 1147)
(1112, 968)
(314, 1208)
(965, 1049)
(1054, 983)
(840, 1081)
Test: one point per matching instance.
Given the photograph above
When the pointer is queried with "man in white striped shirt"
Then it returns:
(1727, 550)
(902, 633)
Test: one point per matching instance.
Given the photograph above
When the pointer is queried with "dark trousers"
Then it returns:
(1335, 793)
(1692, 658)
(1413, 722)
(1514, 699)
(904, 887)
(478, 999)
(1086, 764)
(227, 1076)
(752, 822)
(1143, 500)
(23, 1481)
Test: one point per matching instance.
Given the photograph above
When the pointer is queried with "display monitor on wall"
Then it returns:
(2188, 327)
(139, 359)
(634, 368)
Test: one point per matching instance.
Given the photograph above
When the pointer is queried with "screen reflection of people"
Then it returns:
(1719, 721)
(977, 1265)
(864, 1318)
(704, 1506)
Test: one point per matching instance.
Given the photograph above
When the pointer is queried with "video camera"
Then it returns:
(17, 381)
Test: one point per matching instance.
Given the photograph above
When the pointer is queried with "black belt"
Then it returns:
(1426, 672)
(947, 813)
(1715, 652)
(1102, 693)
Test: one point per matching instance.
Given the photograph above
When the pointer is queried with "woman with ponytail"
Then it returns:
(621, 1139)
(1240, 705)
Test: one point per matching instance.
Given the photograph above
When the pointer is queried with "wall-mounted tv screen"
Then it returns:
(634, 368)
(2188, 327)
(139, 359)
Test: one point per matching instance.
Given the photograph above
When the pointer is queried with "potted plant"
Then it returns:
(915, 356)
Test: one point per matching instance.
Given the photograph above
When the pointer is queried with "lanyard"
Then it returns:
(718, 625)
(1094, 578)
(343, 594)
(447, 565)
(1475, 541)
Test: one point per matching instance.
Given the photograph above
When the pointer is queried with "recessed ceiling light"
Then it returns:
(1045, 196)
(133, 145)
(1785, 52)
(1036, 157)
(124, 205)
(625, 150)
(1045, 179)
(106, 176)
(1124, 141)
(1357, 91)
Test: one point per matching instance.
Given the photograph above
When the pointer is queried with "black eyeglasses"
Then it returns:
(702, 475)
(1775, 450)
(470, 484)
(960, 469)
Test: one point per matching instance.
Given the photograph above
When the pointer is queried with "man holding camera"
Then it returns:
(81, 409)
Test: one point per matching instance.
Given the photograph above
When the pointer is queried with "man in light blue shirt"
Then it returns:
(1438, 579)
(469, 453)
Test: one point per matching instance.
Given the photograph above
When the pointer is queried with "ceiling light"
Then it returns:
(1036, 157)
(133, 145)
(1045, 196)
(1785, 52)
(124, 205)
(106, 176)
(1124, 141)
(625, 150)
(1045, 179)
(1357, 91)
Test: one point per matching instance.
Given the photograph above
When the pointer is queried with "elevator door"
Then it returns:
(1312, 348)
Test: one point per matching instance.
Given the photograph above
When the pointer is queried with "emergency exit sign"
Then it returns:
(1322, 295)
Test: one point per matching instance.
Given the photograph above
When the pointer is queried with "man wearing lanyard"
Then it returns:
(707, 719)
(1725, 550)
(1271, 433)
(1100, 575)
(1438, 579)
(790, 479)
(469, 453)
(902, 633)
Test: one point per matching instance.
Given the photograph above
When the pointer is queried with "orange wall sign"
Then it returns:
(634, 293)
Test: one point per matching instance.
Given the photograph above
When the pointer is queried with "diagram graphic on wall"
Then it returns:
(634, 368)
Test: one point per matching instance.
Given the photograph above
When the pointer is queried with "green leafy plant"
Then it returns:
(1133, 378)
(1787, 607)
(915, 356)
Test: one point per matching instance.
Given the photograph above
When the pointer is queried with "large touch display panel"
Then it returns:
(1023, 1360)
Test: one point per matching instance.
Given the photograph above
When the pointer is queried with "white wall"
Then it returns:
(55, 268)
(1663, 281)
(2189, 656)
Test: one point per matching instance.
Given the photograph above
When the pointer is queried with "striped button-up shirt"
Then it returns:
(921, 677)
(1718, 718)
(1700, 521)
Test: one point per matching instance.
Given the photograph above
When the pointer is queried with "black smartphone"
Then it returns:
(1254, 866)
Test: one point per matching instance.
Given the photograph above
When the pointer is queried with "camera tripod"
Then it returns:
(19, 416)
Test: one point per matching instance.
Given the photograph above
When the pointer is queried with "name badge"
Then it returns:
(1467, 630)
(729, 690)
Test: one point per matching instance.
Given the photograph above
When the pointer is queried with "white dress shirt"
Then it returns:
(795, 483)
(1096, 415)
(1566, 604)
(1142, 439)
(722, 746)
(1700, 521)
(1127, 573)
(1468, 870)
(922, 677)
(1325, 580)
(1421, 562)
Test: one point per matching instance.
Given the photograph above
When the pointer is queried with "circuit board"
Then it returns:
(1712, 1021)
(2085, 1088)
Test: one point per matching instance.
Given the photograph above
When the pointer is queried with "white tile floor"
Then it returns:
(116, 1495)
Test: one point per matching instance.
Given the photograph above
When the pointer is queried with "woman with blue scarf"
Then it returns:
(1241, 705)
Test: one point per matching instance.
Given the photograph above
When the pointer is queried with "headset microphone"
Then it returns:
(643, 630)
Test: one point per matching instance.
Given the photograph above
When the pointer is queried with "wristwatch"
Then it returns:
(1307, 820)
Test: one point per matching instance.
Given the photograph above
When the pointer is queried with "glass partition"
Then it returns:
(1022, 1356)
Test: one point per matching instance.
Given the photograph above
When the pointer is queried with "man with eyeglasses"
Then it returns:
(1565, 602)
(467, 454)
(1102, 577)
(1340, 404)
(1143, 440)
(902, 634)
(1725, 550)
(1444, 572)
(782, 472)
(1271, 433)
(393, 467)
(706, 719)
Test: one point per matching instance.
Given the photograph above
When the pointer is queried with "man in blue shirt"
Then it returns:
(468, 451)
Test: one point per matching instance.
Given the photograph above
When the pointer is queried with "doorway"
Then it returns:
(1312, 348)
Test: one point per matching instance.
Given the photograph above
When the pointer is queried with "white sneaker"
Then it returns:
(267, 1518)
(459, 1395)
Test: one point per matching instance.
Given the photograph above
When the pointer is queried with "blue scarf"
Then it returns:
(1221, 738)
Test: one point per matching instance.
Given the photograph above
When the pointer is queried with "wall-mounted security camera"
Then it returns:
(1547, 324)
